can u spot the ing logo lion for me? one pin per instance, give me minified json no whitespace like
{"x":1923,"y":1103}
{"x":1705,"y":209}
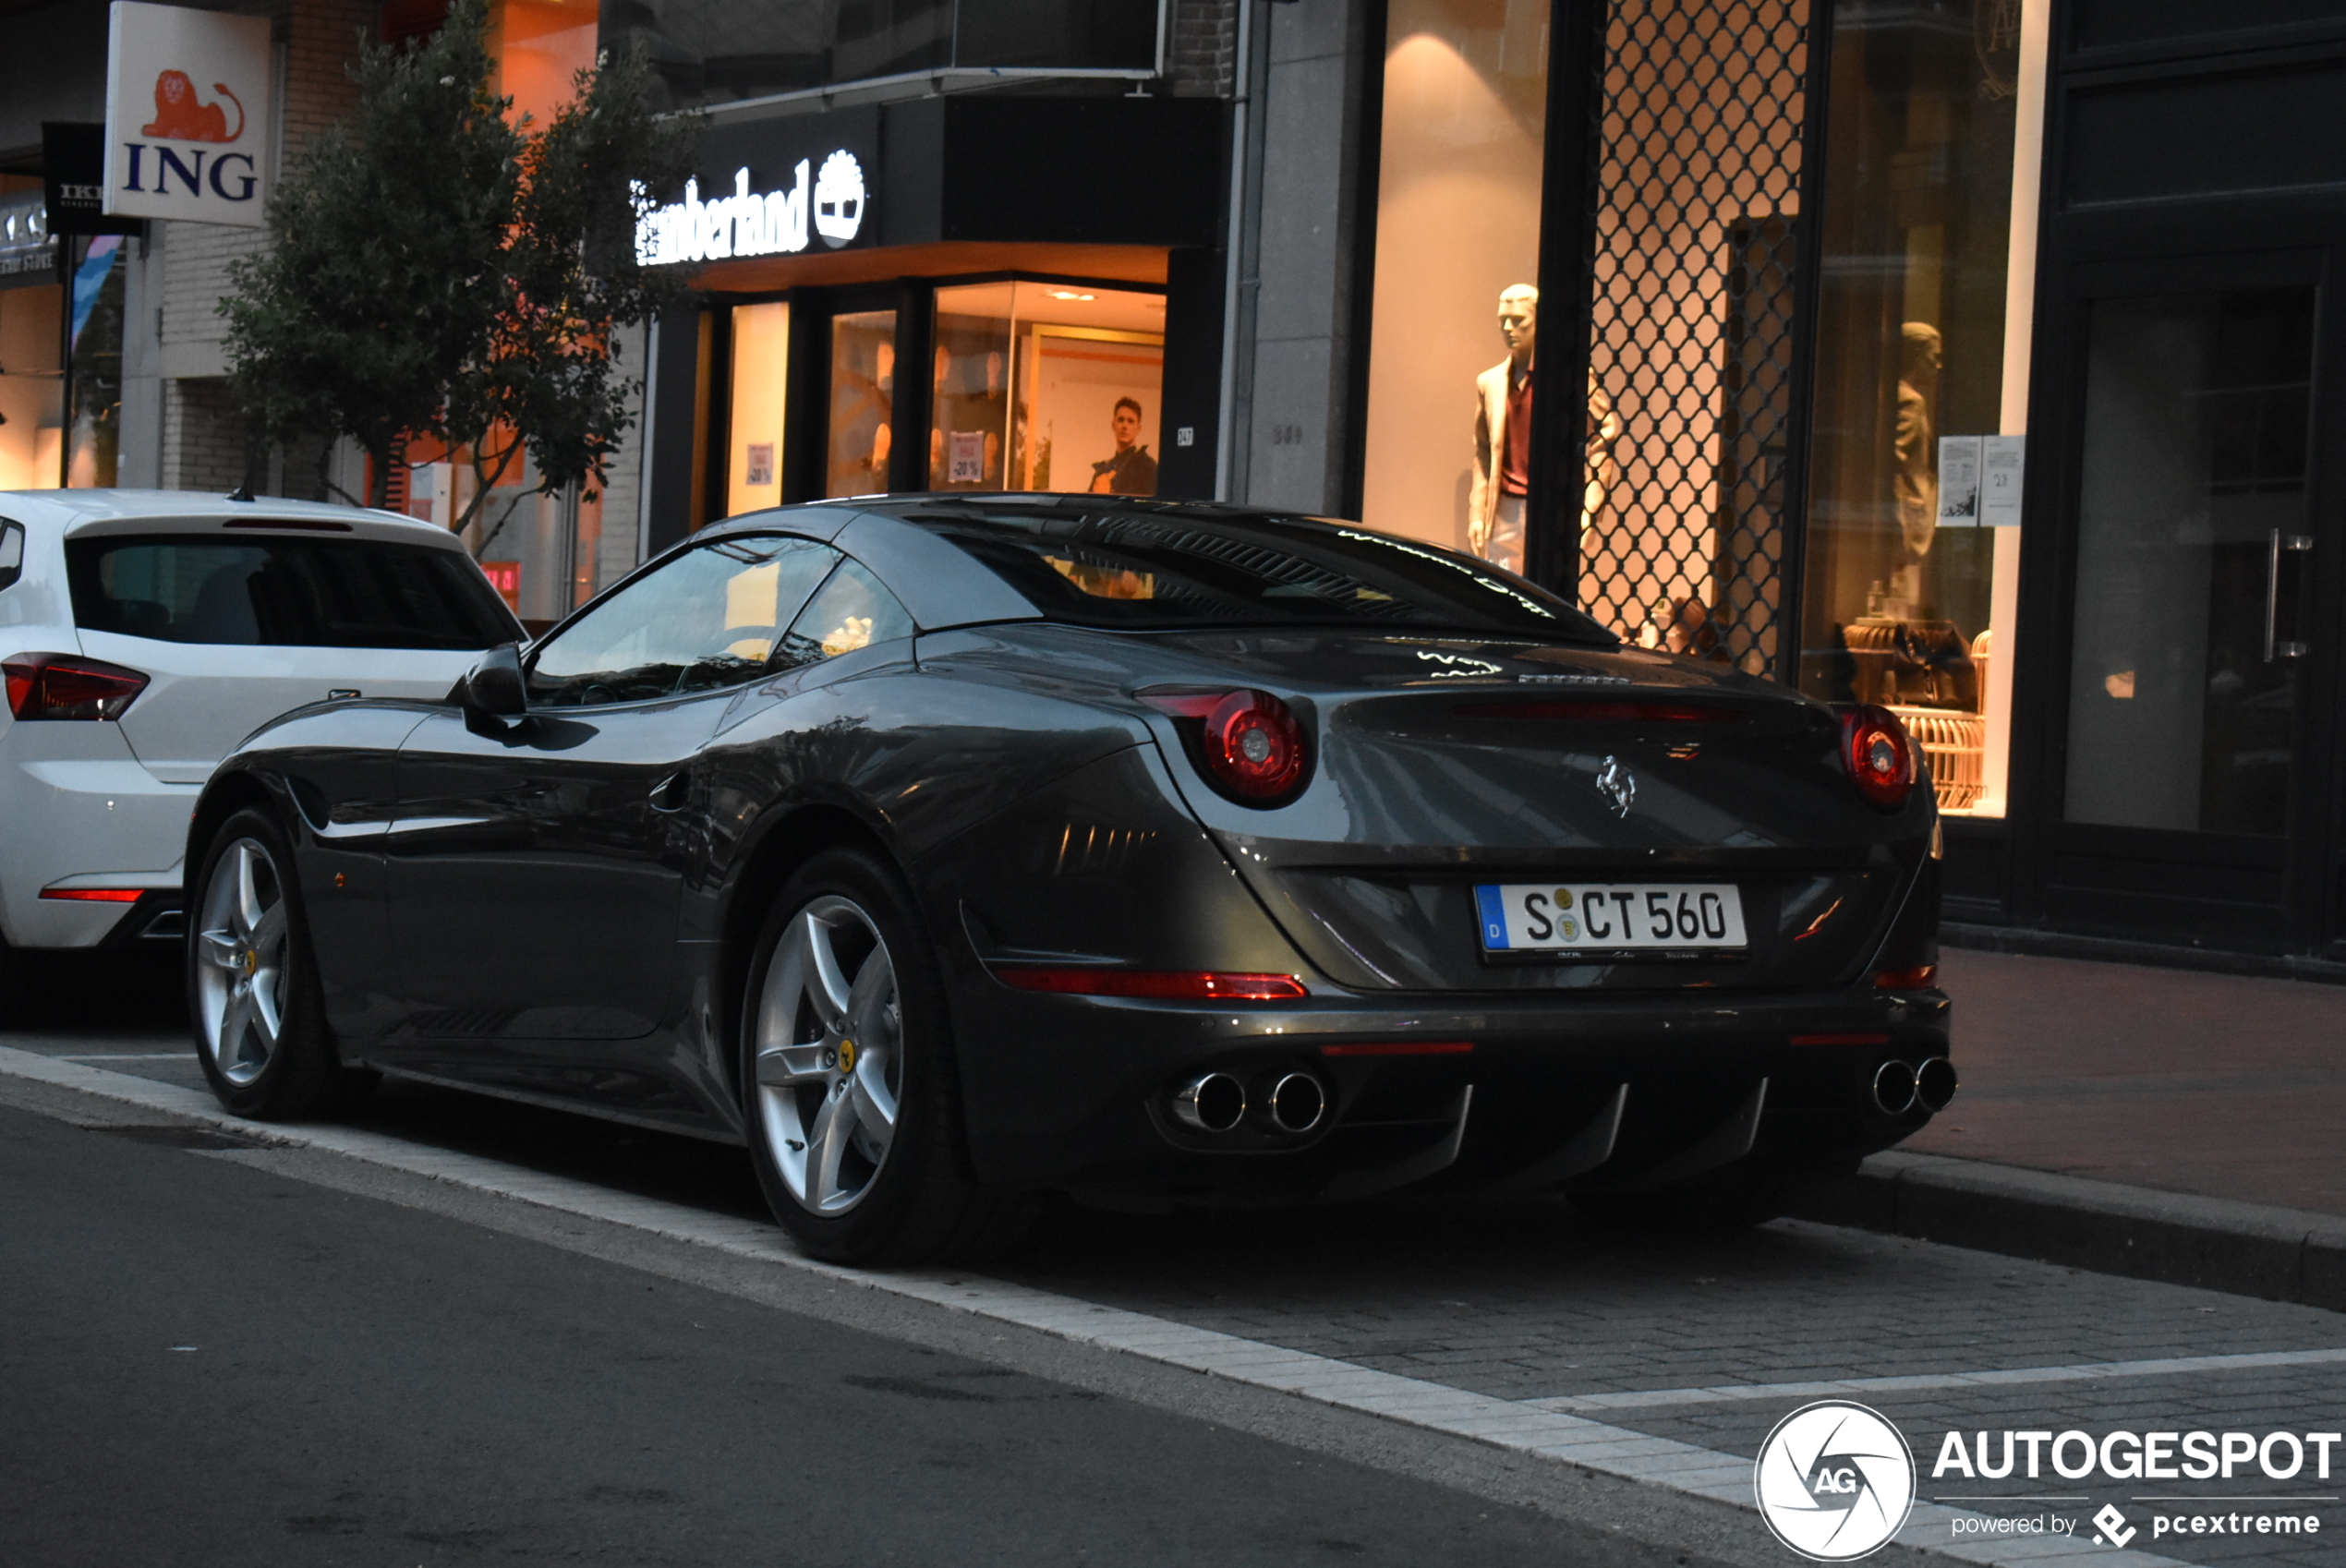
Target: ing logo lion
{"x":180,"y":115}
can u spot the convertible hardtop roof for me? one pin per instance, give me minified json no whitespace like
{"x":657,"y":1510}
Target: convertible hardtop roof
{"x":1143,"y":565}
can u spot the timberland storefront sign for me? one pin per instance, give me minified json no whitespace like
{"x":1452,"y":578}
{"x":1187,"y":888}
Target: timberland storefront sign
{"x":768,"y":187}
{"x":188,"y":111}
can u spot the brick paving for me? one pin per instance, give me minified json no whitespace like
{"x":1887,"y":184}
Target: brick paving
{"x":2229,"y":1086}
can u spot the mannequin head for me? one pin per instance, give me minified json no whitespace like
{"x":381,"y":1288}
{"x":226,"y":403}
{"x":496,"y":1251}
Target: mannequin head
{"x":1519,"y":321}
{"x":1918,"y":351}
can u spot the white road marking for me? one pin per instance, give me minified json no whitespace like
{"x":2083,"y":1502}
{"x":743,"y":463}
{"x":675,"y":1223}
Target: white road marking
{"x":1526,"y":1427}
{"x":1850,"y":1388}
{"x":187,"y":1056}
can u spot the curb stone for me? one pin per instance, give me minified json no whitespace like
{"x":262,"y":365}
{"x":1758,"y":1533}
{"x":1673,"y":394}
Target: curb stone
{"x":2175,"y":1238}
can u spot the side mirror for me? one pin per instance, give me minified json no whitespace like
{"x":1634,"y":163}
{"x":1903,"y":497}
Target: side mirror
{"x":492,"y":690}
{"x":11,"y":553}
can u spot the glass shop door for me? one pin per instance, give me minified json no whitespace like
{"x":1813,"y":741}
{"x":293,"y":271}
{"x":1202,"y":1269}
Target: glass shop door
{"x":2190,"y":766}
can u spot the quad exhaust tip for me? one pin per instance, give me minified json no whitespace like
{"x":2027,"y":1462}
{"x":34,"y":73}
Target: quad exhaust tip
{"x":1898,"y":1088}
{"x":1298,"y":1101}
{"x":1218,"y":1103}
{"x":1212,"y":1102}
{"x":1894,"y":1088}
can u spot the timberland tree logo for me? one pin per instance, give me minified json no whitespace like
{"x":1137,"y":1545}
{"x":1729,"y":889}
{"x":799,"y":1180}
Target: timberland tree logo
{"x":1834,"y":1481}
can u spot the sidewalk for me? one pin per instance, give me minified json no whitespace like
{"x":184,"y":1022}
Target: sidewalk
{"x":2225,"y":1086}
{"x":2163,"y":1124}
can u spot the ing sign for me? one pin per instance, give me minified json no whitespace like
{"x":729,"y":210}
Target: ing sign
{"x":190,"y":100}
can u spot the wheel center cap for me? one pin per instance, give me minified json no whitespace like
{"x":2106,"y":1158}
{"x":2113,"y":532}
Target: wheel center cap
{"x":251,"y":961}
{"x":846,"y":1056}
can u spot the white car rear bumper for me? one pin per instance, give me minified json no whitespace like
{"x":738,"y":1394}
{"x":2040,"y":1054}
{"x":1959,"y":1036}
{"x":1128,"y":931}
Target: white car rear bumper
{"x":83,"y":813}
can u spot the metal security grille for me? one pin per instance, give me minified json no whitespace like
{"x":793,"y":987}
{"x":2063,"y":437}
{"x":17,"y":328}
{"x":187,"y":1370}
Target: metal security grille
{"x":1694,"y":198}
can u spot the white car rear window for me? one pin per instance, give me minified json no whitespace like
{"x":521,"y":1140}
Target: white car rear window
{"x":334,"y":593}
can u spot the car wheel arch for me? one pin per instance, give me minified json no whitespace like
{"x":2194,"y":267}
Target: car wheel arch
{"x":222,"y":798}
{"x":793,"y":835}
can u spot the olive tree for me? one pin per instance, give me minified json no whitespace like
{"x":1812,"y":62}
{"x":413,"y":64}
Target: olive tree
{"x":435,"y":267}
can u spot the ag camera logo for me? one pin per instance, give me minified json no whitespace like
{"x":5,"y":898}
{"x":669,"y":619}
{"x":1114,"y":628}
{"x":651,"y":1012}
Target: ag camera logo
{"x":1834,"y":1481}
{"x":838,"y":199}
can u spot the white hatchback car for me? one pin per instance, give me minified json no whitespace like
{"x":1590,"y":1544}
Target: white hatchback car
{"x":144,"y":632}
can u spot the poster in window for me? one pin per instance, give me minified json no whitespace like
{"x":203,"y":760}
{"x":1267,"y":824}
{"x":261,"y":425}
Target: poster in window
{"x":1958,"y":481}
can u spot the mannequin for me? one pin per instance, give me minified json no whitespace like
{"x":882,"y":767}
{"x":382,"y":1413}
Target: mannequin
{"x":1914,"y":446}
{"x":1502,"y":435}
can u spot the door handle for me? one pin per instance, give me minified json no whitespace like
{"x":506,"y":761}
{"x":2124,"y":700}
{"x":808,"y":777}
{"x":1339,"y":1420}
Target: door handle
{"x":2275,"y":647}
{"x":671,"y":792}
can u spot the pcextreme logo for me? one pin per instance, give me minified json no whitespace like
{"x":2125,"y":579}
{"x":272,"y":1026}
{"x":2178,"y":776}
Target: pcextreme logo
{"x":1834,"y":1481}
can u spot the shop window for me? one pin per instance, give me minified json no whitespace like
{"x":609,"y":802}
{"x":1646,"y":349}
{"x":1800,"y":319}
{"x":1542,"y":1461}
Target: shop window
{"x":1921,"y":378}
{"x":1047,"y":386}
{"x":760,"y":374}
{"x":32,"y":390}
{"x":93,"y":382}
{"x":1457,"y":245}
{"x":1695,"y":212}
{"x":540,"y":46}
{"x":863,"y":403}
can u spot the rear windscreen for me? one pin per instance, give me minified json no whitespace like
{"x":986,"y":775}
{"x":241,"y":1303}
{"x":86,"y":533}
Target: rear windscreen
{"x":1162,"y":572}
{"x":326,"y":593}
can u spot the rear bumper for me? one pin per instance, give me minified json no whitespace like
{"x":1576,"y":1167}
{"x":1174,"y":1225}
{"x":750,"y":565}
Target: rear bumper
{"x":1605,"y":1090}
{"x":89,"y":820}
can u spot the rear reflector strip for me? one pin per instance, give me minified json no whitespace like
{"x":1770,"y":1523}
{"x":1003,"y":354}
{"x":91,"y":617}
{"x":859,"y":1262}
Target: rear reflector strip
{"x":1604,"y":712}
{"x":1402,"y":1048}
{"x":1198,"y":986}
{"x":95,"y":895}
{"x":1840,"y":1039}
{"x":1913,"y":979}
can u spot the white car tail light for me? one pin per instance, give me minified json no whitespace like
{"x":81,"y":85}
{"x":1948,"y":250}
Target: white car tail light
{"x":63,"y":686}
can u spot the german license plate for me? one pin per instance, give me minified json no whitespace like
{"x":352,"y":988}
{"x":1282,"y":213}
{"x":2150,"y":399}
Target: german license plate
{"x":1547,"y":917}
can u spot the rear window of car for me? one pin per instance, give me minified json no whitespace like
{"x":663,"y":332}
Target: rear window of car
{"x":1149,"y":572}
{"x":329,"y":593}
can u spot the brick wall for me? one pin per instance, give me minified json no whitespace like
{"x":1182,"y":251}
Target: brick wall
{"x":204,"y":442}
{"x":1203,"y":60}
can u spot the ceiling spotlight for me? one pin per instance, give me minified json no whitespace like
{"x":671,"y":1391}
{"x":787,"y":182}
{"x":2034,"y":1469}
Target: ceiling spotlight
{"x":1070,"y":294}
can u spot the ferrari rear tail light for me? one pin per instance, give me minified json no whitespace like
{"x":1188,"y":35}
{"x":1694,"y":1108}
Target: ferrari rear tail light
{"x":1195,"y":985}
{"x":1920,"y":977}
{"x":60,"y":686}
{"x":1248,"y":743}
{"x":1879,"y":754}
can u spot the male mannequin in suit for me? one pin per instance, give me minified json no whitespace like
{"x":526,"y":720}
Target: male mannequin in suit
{"x":1503,"y":436}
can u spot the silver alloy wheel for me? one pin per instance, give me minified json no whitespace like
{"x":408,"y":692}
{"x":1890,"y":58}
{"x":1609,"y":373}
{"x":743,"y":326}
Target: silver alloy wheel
{"x":829,"y":1054}
{"x":240,"y":962}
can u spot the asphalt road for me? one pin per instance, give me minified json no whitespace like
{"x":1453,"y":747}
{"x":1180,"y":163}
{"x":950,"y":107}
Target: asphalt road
{"x":206,"y":1363}
{"x":464,"y":1331}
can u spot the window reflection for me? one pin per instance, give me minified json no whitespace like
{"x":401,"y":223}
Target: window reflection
{"x":710,"y":618}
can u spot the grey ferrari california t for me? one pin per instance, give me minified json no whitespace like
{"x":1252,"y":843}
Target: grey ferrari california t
{"x":951,"y":850}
